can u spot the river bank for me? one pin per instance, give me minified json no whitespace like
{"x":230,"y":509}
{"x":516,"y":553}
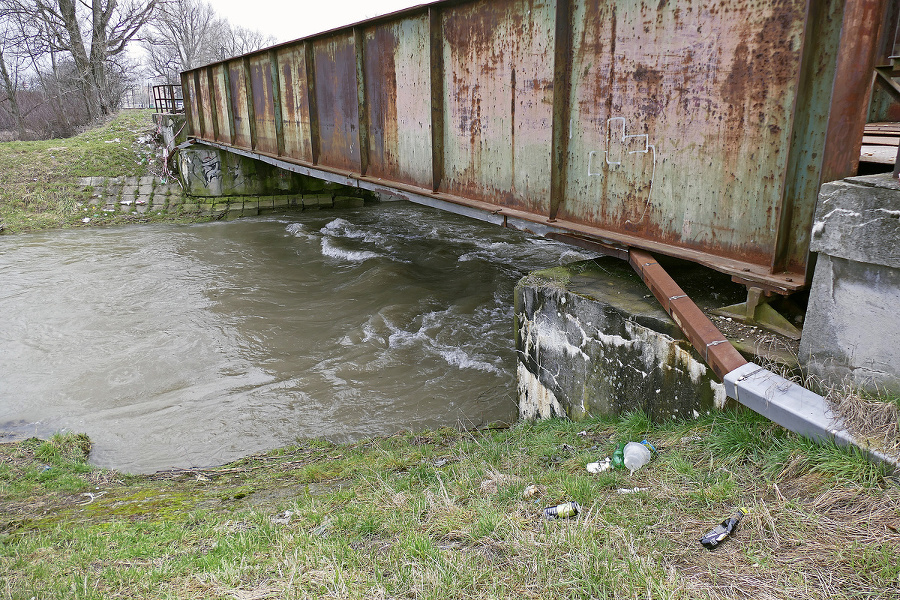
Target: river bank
{"x":428,"y":514}
{"x":41,"y":182}
{"x":443,"y":514}
{"x":115,"y":174}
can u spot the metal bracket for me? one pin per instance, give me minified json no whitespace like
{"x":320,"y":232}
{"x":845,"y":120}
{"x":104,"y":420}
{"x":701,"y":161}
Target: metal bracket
{"x":756,"y":311}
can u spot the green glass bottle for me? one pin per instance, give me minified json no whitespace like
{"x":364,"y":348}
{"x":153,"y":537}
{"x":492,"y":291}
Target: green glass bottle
{"x":618,"y":457}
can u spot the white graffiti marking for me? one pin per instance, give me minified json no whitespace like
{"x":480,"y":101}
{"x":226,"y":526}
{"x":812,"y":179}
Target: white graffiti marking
{"x":616,"y":147}
{"x":211,"y":167}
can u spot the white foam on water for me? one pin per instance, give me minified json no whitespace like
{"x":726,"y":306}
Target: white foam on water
{"x":458,"y":357}
{"x":426,"y":339}
{"x":336,"y":225}
{"x":299,"y":231}
{"x":342,"y":228}
{"x":332,"y":251}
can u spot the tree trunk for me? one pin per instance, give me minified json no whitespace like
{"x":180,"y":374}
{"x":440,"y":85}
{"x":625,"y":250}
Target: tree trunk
{"x":99,"y":22}
{"x":80,"y":56}
{"x":11,"y":93}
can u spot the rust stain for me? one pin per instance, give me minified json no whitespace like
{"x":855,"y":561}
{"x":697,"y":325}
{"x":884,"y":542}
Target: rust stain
{"x":295,"y":103}
{"x":238,"y":104}
{"x":381,"y":94}
{"x":263,"y":104}
{"x":336,"y":97}
{"x":512,"y":116}
{"x":221,"y":99}
{"x":500,"y":102}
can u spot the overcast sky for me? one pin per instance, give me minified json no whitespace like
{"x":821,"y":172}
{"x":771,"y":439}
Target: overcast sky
{"x":291,"y":19}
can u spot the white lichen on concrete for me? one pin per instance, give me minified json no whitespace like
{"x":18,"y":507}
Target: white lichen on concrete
{"x":543,"y":332}
{"x":818,"y":228}
{"x":580,"y":356}
{"x":720,"y":396}
{"x":841,"y":211}
{"x":535,"y":400}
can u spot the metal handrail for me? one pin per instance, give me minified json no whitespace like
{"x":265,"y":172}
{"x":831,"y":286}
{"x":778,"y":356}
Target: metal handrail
{"x":168,"y":98}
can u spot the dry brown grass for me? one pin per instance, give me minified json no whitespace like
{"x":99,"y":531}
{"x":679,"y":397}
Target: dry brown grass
{"x":870,"y":419}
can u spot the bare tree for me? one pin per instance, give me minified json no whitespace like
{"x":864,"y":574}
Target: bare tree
{"x":9,"y":82}
{"x":95,"y":33}
{"x":239,"y":40}
{"x":182,"y":36}
{"x":188,"y":33}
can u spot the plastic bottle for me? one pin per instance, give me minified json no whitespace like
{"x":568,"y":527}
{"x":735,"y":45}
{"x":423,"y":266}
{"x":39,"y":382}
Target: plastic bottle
{"x":723,"y":530}
{"x":635,"y":456}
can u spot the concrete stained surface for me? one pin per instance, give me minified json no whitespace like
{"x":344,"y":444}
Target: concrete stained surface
{"x":142,"y":194}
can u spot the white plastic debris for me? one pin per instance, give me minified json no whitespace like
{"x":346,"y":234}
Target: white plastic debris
{"x":599,"y":467}
{"x":632,"y":490}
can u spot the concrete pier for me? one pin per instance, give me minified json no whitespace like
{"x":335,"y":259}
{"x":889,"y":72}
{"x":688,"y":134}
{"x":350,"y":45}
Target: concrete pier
{"x":591,"y":339}
{"x":851,"y":328}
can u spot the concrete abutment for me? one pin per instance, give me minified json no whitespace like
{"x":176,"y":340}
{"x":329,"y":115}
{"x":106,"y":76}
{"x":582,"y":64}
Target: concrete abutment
{"x":591,"y":340}
{"x":852,"y":330}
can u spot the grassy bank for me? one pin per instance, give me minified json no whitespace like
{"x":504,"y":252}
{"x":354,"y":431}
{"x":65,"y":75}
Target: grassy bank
{"x":442,"y":515}
{"x":436,"y":514}
{"x":39,"y":181}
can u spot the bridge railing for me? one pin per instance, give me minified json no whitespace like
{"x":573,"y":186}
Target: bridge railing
{"x":168,"y":98}
{"x":701,"y":130}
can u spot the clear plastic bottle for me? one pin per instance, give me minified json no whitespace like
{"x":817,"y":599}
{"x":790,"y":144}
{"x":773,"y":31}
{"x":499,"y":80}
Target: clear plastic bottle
{"x":635,"y":456}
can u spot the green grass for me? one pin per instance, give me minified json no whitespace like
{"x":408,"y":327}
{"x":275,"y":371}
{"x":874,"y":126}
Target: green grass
{"x":440,"y":514}
{"x":39,"y":181}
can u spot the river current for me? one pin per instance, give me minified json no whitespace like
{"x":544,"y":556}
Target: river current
{"x":192,"y":345}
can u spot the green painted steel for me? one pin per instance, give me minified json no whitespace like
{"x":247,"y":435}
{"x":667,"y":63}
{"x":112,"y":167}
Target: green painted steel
{"x":696,"y":128}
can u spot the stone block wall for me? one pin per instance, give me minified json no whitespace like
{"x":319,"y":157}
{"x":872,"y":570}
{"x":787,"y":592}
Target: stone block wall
{"x":851,"y":332}
{"x":140,"y":195}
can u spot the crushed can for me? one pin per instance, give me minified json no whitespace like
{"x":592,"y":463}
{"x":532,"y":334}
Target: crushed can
{"x":718,"y":535}
{"x":562,"y":511}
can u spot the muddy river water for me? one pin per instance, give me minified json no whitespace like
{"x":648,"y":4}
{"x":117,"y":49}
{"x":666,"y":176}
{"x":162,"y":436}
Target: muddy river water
{"x":193,"y":345}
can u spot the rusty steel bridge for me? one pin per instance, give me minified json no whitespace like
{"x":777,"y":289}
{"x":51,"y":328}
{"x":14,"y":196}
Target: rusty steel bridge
{"x":695,"y":129}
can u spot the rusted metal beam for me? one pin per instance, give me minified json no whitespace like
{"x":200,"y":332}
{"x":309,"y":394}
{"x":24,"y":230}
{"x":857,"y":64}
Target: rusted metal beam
{"x":562,"y":89}
{"x":634,"y":134}
{"x":436,"y":61}
{"x":251,"y":109}
{"x":199,"y":97}
{"x":890,"y":35}
{"x":276,"y":99}
{"x":186,"y":94}
{"x":852,"y":87}
{"x":213,"y":104}
{"x":706,"y":338}
{"x":314,"y":137}
{"x":743,"y":272}
{"x":229,"y":102}
{"x":359,"y":44}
